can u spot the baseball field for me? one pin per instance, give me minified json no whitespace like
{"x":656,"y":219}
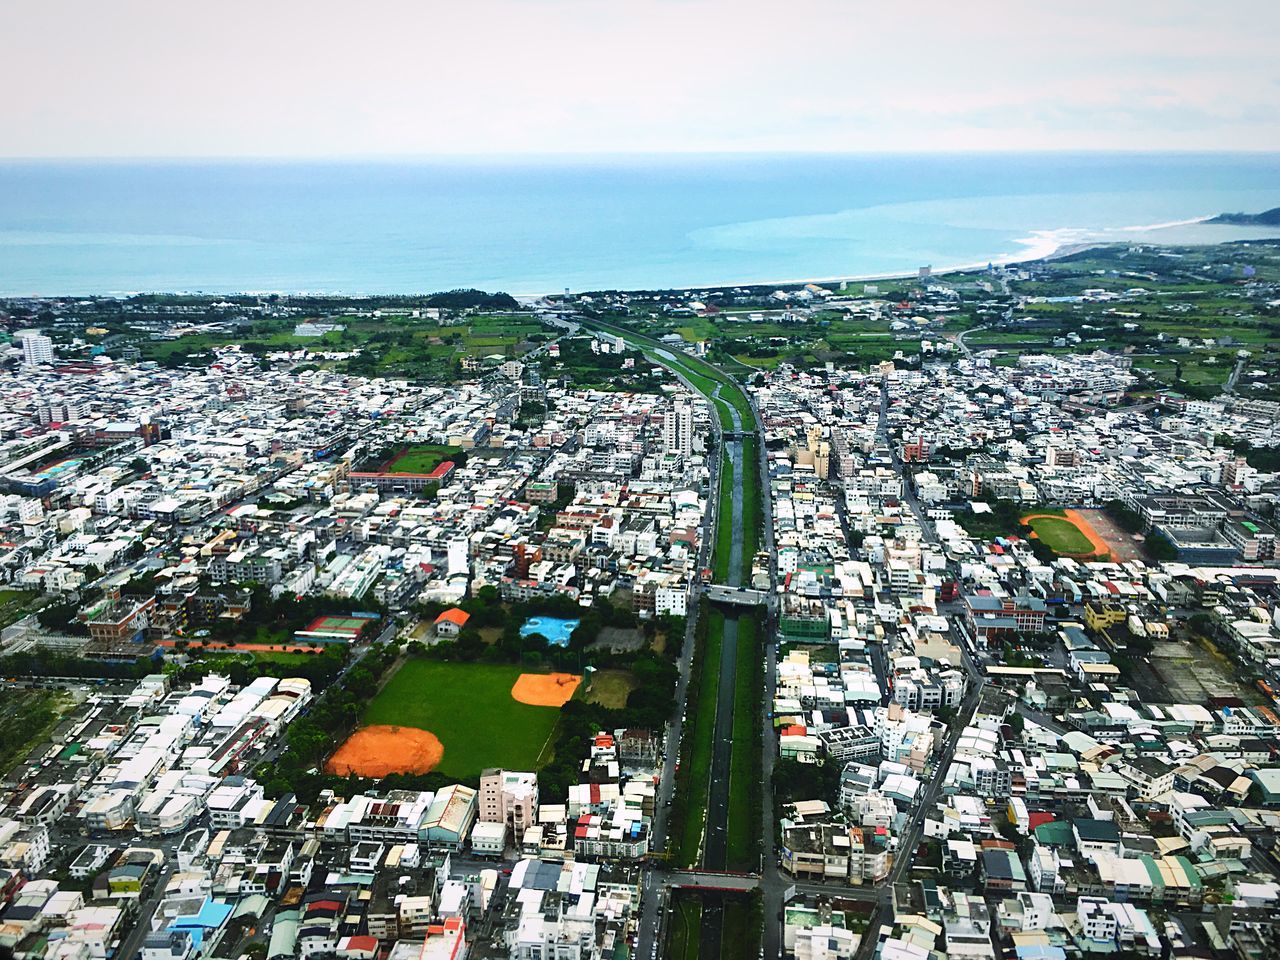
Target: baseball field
{"x":481,"y":714}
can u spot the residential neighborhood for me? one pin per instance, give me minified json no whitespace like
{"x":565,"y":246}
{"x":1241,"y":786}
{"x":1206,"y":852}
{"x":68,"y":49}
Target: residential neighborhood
{"x":599,"y":646}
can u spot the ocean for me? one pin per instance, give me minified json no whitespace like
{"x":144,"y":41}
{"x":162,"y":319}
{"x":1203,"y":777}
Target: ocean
{"x":541,"y":225}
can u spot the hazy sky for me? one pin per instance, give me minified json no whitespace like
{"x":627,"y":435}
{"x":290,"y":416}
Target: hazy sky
{"x":320,"y":78}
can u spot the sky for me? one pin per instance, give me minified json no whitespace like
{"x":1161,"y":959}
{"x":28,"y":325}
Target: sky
{"x":287,"y":78}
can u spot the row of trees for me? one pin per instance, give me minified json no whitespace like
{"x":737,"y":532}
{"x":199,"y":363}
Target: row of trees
{"x":488,"y":612}
{"x":311,"y":738}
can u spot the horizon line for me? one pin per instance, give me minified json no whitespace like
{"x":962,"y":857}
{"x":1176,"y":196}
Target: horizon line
{"x":622,"y":154}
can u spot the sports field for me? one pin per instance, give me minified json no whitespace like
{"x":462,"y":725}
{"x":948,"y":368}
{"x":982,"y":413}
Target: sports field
{"x":1068,"y":534}
{"x":420,"y":458}
{"x":469,"y":707}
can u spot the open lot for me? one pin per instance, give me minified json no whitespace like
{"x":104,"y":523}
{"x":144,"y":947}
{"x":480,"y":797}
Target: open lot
{"x":1122,"y":545}
{"x":26,"y":717}
{"x":469,"y":708}
{"x":16,"y":604}
{"x":610,"y":688}
{"x":1190,"y":672}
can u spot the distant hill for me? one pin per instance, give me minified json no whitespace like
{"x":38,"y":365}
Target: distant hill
{"x":1268,"y":218}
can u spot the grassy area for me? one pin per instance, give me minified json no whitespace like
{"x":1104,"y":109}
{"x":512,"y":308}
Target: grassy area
{"x":752,"y":508}
{"x":263,"y":635}
{"x":743,"y":927}
{"x":283,"y":656}
{"x":684,"y":928}
{"x":16,"y":604}
{"x":745,"y":775}
{"x":469,"y":707}
{"x":420,"y":458}
{"x":698,"y":743}
{"x":1060,"y":535}
{"x":26,"y":718}
{"x":724,"y":523}
{"x":610,"y":688}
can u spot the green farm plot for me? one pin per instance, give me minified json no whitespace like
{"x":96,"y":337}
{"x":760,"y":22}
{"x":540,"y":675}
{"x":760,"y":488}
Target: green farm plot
{"x":468,"y":706}
{"x":1060,"y":535}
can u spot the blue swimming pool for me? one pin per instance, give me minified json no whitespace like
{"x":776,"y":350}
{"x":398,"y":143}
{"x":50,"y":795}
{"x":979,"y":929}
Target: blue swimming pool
{"x":555,"y":629}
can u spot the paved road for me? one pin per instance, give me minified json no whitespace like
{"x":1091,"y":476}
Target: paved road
{"x":964,"y":346}
{"x":132,"y":943}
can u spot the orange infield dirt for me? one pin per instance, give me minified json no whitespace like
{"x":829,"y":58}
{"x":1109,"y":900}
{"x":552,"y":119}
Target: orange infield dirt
{"x":1100,"y":547}
{"x":377,"y":751}
{"x":545,"y":689}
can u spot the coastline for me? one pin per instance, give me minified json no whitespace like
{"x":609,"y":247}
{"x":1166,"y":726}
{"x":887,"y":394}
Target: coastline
{"x":1039,"y":246}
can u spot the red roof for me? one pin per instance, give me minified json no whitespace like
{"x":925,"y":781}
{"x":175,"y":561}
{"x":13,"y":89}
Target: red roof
{"x":455,"y":616}
{"x":1039,"y":818}
{"x":442,"y":471}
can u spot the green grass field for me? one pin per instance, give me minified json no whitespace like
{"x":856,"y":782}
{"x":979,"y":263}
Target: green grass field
{"x":16,"y":604}
{"x":683,"y":931}
{"x":1060,"y":535}
{"x":469,"y":707}
{"x":421,"y":458}
{"x":610,"y":688}
{"x":744,"y":764}
{"x":699,"y":731}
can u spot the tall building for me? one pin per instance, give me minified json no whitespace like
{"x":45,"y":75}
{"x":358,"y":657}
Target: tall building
{"x":36,"y":348}
{"x":677,"y":430}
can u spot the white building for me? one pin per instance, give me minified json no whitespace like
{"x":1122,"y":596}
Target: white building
{"x":677,"y":430}
{"x":36,"y":348}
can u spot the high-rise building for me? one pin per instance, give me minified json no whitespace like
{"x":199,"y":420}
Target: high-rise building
{"x":36,"y":348}
{"x":677,"y":430}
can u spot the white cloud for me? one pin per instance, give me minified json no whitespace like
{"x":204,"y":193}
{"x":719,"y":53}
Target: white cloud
{"x":139,"y":77}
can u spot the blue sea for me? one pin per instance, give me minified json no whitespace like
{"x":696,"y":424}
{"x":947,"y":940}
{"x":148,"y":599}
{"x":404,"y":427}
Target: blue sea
{"x":540,"y":225}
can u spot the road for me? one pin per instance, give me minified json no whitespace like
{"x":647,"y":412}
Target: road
{"x":964,"y":347}
{"x":909,"y":838}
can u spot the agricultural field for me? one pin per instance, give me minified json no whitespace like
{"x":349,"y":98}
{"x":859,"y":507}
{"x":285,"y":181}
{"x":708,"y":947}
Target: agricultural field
{"x":1184,"y":315}
{"x":389,"y":346}
{"x":747,"y":340}
{"x":469,"y":708}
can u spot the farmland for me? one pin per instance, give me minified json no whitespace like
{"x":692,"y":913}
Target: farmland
{"x":405,"y":346}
